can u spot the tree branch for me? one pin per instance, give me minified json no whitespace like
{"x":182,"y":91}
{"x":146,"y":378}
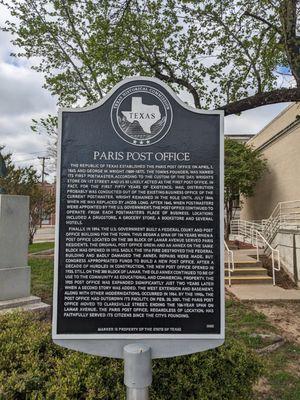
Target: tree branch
{"x":172,"y":78}
{"x":55,"y":39}
{"x":232,"y":34}
{"x":262,"y":99}
{"x":157,"y":65}
{"x":181,"y":82}
{"x":78,"y":39}
{"x":125,"y":7}
{"x":261,"y":19}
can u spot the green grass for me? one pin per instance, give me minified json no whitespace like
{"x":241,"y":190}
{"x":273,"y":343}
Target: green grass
{"x":42,"y":278}
{"x":241,"y":319}
{"x":281,"y":366}
{"x":241,"y":322}
{"x":286,"y":386}
{"x":283,"y":372}
{"x":36,"y":247}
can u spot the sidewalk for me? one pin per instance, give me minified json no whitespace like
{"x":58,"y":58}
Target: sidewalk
{"x":44,"y":234}
{"x":264,"y":293}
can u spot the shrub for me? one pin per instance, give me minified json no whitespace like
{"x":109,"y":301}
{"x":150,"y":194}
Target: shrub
{"x":225,"y":373}
{"x":33,"y":368}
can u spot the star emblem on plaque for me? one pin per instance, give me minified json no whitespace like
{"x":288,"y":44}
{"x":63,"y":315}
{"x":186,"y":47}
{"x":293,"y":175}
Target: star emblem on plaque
{"x":141,"y":115}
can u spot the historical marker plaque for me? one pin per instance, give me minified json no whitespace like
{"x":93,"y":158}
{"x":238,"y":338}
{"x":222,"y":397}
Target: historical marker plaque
{"x":139,"y":250}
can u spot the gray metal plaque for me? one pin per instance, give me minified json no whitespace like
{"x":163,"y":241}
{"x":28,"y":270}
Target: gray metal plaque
{"x":139,"y":230}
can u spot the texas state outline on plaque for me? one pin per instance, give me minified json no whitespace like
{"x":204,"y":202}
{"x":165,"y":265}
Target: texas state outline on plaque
{"x":145,"y":114}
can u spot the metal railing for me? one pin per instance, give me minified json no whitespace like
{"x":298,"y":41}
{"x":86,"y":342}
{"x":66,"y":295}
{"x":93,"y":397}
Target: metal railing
{"x":243,"y":229}
{"x":230,"y":262}
{"x":253,"y":233}
{"x":286,"y":215}
{"x":261,"y":242}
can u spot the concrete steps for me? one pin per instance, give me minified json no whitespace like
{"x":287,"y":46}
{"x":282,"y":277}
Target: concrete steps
{"x":249,"y":280}
{"x":246,"y":264}
{"x":247,"y":271}
{"x":30,"y":303}
{"x":36,"y":307}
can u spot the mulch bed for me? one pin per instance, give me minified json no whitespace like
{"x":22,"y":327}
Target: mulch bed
{"x":237,"y":245}
{"x":282,"y":278}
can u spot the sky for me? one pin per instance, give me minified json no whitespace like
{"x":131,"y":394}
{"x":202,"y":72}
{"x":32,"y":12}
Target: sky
{"x":22,"y":99}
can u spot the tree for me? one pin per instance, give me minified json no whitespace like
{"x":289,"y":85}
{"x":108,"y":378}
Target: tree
{"x":243,"y":168}
{"x":227,"y":54}
{"x":25,"y":181}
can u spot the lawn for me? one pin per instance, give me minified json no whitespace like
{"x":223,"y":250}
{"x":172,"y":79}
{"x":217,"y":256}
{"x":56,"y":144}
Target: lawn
{"x":37,"y":247}
{"x":279,"y":378}
{"x":42,"y":278}
{"x":283,"y":373}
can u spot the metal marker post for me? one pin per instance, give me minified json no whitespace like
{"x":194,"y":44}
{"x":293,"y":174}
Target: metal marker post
{"x":137,"y":371}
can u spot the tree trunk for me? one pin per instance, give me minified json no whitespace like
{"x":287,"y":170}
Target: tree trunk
{"x":288,"y":16}
{"x":228,"y":217}
{"x":32,"y":231}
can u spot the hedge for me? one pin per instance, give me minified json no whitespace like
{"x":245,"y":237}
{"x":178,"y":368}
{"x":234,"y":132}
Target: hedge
{"x":33,"y":368}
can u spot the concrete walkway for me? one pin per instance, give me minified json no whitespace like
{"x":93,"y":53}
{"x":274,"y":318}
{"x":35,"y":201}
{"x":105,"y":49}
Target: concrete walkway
{"x":44,"y":234}
{"x":264,"y":293}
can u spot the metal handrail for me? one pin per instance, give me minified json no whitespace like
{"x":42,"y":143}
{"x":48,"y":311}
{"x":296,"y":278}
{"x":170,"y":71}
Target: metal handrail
{"x":273,"y":251}
{"x":243,"y":228}
{"x":250,"y":232}
{"x":285,"y":214}
{"x":230,"y":261}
